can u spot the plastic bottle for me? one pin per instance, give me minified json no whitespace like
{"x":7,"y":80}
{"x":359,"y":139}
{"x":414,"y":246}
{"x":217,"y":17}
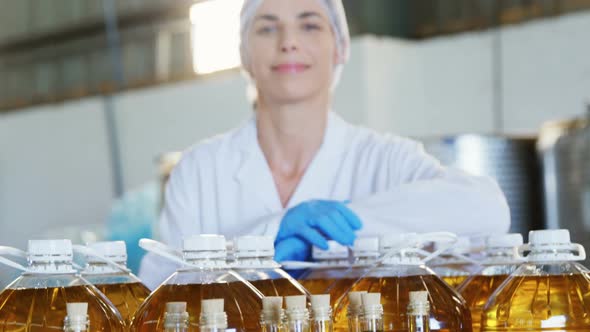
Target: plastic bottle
{"x":106,"y":269}
{"x":321,"y":313}
{"x":419,"y":312}
{"x":498,"y":263}
{"x":372,"y":316}
{"x":254,"y":262}
{"x":213,"y":318}
{"x":454,"y":265}
{"x":204,"y":274}
{"x":176,"y":318}
{"x":272,"y":316}
{"x":331,"y":265}
{"x":77,"y":318}
{"x":402,"y":270}
{"x":296,"y":314}
{"x":550,"y":292}
{"x":37,"y":300}
{"x":353,"y":312}
{"x":365,"y":253}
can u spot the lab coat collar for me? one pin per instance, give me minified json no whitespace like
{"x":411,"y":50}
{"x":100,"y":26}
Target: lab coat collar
{"x":254,"y":173}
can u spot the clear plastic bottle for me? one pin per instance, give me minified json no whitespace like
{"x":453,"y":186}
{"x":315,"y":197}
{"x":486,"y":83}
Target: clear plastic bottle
{"x":176,"y":318}
{"x":402,"y":270}
{"x":498,"y":263}
{"x":77,"y":318}
{"x":37,"y":300}
{"x":106,"y":269}
{"x":272,"y":316}
{"x":254,"y":262}
{"x":331,"y":265}
{"x":213,"y":318}
{"x":321,"y":313}
{"x":353,"y":312}
{"x":550,"y":292}
{"x":419,"y":312}
{"x":365,"y":252}
{"x":372,"y":314}
{"x":204,"y":275}
{"x":454,"y":265}
{"x":296,"y":314}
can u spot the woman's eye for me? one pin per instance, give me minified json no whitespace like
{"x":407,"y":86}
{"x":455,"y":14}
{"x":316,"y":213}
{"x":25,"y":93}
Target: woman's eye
{"x":265,"y":30}
{"x":311,"y":27}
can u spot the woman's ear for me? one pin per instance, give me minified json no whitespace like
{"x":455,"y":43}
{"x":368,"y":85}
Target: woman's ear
{"x":340,"y":54}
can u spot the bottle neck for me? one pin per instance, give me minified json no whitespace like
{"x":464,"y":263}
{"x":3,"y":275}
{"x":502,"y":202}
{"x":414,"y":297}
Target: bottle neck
{"x":297,"y":320}
{"x":76,"y":324}
{"x":103,"y":268}
{"x":255,"y":262}
{"x":418,"y":323}
{"x":354,"y":314}
{"x":500,"y":256}
{"x":51,"y":267}
{"x":366,"y":260}
{"x":372,"y":319}
{"x":213,"y":321}
{"x":322,"y":320}
{"x":176,"y":321}
{"x":272,"y":316}
{"x":333,"y":262}
{"x":550,"y":255}
{"x":207,"y":262}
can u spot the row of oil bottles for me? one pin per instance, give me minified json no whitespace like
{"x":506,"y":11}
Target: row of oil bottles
{"x":396,"y":282}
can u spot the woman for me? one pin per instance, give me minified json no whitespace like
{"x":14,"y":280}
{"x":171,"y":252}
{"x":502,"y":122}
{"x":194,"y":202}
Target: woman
{"x":297,"y":171}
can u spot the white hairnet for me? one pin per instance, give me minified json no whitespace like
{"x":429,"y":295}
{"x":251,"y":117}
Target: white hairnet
{"x":336,"y":14}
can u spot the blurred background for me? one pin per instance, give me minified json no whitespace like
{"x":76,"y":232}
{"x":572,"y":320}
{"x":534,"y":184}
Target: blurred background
{"x":97,"y":96}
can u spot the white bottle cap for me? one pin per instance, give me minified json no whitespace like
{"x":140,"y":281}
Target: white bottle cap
{"x":354,"y":299}
{"x":366,"y":247}
{"x":254,"y":246}
{"x":77,"y":310}
{"x":549,"y":237}
{"x":504,"y":240}
{"x":272,"y":307}
{"x":552,"y":246}
{"x":204,"y":246}
{"x":295,"y":302}
{"x":419,"y":297}
{"x":114,"y":250}
{"x":335,"y":251}
{"x":320,"y":307}
{"x":320,"y":301}
{"x":419,"y":304}
{"x":212,"y":306}
{"x":212,"y":314}
{"x":176,"y":307}
{"x":272,"y":303}
{"x":370,"y":299}
{"x":46,"y":251}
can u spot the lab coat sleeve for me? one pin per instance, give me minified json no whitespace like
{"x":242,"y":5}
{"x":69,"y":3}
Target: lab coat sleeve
{"x":178,"y":218}
{"x":422,"y":196}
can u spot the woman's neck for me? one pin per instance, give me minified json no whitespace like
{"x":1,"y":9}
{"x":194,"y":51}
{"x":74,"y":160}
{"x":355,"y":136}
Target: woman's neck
{"x":290,"y":137}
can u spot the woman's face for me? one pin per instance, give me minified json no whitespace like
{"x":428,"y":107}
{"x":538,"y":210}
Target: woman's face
{"x":291,"y":50}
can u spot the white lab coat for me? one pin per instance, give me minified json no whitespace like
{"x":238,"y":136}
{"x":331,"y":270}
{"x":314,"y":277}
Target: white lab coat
{"x":224,"y":186}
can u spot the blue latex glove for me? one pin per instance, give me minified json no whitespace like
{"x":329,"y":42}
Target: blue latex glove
{"x":314,"y":222}
{"x":292,"y":249}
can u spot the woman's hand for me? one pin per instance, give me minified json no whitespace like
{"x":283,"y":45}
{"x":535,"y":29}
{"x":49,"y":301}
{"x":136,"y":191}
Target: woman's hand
{"x":313,"y":223}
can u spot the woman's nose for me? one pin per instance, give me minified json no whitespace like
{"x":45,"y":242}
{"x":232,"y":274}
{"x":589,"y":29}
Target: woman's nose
{"x":288,"y":42}
{"x":286,"y":48}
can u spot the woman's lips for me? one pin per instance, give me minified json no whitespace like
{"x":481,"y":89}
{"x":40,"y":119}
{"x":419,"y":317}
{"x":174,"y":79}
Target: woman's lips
{"x":290,"y":68}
